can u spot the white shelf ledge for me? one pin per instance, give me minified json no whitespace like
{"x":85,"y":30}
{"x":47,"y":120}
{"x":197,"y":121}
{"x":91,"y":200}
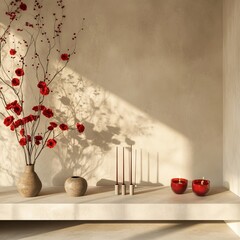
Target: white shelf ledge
{"x":100,"y":203}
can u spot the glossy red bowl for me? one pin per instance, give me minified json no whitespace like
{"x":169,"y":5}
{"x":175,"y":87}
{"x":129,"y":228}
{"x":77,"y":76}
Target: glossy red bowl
{"x":200,"y":186}
{"x":179,"y":185}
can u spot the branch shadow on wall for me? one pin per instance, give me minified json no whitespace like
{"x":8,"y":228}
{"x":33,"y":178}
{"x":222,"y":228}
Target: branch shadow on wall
{"x":78,"y":100}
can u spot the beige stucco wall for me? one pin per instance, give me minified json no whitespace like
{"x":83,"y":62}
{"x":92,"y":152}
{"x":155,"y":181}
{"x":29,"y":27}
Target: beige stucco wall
{"x":151,"y":72}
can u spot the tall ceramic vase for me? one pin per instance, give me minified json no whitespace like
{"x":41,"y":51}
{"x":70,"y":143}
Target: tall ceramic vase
{"x":29,"y":184}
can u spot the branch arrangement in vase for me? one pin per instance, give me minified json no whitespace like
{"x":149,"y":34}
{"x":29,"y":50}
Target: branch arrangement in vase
{"x":31,"y":57}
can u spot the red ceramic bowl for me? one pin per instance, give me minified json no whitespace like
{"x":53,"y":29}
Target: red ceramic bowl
{"x":200,"y":186}
{"x":179,"y":185}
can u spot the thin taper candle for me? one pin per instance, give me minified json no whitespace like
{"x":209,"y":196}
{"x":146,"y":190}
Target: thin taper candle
{"x":123,"y":168}
{"x":141,"y":166}
{"x":157,"y":167}
{"x":130,"y":167}
{"x":135,"y":166}
{"x":148,"y":177}
{"x":116,"y":165}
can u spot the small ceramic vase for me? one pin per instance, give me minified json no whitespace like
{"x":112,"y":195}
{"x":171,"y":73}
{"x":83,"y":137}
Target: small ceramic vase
{"x":75,"y":186}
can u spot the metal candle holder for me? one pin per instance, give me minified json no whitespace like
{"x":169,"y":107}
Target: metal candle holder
{"x":117,"y":189}
{"x":131,"y":189}
{"x":123,"y":189}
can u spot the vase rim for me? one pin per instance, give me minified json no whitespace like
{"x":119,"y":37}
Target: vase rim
{"x":75,"y":176}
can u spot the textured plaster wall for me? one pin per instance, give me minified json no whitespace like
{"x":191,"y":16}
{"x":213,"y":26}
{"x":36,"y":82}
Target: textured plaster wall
{"x":148,"y":73}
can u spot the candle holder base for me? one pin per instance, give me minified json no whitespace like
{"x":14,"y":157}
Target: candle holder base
{"x":131,"y":189}
{"x":123,"y":189}
{"x":117,"y":188}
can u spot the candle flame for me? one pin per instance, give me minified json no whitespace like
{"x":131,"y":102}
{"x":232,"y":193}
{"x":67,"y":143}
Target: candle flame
{"x":202,"y":182}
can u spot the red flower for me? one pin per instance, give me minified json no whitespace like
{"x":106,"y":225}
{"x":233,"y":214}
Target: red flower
{"x":17,"y":109}
{"x":12,"y":15}
{"x":38,"y":138}
{"x":35,"y":117}
{"x":37,"y":142}
{"x":63,"y":127}
{"x":15,"y":82}
{"x":12,"y":51}
{"x":25,"y":120}
{"x":12,"y":127}
{"x":8,"y":121}
{"x":38,"y":108}
{"x":11,"y":105}
{"x":50,"y":128}
{"x":19,"y":72}
{"x":35,"y":108}
{"x":53,"y":124}
{"x":47,"y":112}
{"x":65,"y":57}
{"x":23,"y":141}
{"x":51,"y":143}
{"x":44,"y":91}
{"x":80,"y":127}
{"x":30,"y":118}
{"x":22,"y":132}
{"x":42,"y":84}
{"x":23,"y":6}
{"x":29,"y":138}
{"x":18,"y":123}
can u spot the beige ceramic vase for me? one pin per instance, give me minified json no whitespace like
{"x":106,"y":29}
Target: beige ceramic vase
{"x":29,"y":184}
{"x":75,"y":186}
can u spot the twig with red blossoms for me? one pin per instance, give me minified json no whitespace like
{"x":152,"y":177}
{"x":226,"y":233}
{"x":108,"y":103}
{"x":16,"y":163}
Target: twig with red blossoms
{"x":27,"y":52}
{"x":14,"y":11}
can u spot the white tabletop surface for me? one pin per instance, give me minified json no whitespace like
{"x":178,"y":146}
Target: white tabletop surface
{"x":100,"y":203}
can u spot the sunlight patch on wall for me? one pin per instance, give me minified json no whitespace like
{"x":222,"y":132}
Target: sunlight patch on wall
{"x":110,"y":122}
